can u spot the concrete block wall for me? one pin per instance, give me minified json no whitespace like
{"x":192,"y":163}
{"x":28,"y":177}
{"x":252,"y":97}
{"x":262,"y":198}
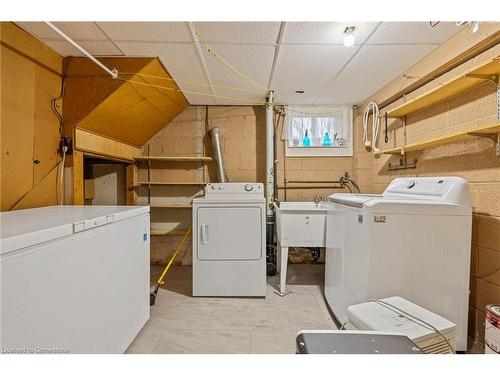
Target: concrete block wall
{"x":475,"y":161}
{"x":243,"y":145}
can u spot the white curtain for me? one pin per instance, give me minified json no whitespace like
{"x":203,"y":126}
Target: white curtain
{"x":317,"y":120}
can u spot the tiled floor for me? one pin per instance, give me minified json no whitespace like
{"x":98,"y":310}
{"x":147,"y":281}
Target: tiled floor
{"x":183,"y":324}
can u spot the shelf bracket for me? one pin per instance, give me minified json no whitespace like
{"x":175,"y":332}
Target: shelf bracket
{"x":403,"y":165}
{"x":494,"y":137}
{"x":487,"y":77}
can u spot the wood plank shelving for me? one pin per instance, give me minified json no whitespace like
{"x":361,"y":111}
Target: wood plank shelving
{"x":174,"y":158}
{"x":473,"y":77}
{"x":490,"y":131}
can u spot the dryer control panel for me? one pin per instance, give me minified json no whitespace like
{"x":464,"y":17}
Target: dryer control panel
{"x":234,"y":188}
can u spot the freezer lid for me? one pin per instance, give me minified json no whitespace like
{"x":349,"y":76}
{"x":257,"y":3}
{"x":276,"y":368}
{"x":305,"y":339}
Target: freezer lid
{"x":22,"y":228}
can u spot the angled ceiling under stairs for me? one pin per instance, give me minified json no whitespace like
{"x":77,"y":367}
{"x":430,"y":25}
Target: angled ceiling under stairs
{"x":130,"y":109}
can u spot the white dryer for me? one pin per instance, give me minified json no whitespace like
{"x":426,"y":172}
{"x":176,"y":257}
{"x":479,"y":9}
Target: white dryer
{"x":414,"y":241}
{"x":229,"y":249}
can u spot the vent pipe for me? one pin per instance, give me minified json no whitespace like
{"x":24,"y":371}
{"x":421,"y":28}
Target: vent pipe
{"x":216,"y":135}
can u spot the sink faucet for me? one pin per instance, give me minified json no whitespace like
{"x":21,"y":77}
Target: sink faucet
{"x":318,"y":199}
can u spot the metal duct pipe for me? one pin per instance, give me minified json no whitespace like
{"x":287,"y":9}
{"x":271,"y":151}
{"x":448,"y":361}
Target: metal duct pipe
{"x":216,"y":135}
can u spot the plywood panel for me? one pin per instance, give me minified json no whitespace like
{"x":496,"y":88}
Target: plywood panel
{"x":135,"y":112}
{"x":30,"y":77}
{"x":78,"y":180}
{"x":88,"y":85}
{"x":17,"y":108}
{"x":131,"y":173}
{"x":46,"y":125}
{"x":99,"y":145}
{"x":42,"y":194}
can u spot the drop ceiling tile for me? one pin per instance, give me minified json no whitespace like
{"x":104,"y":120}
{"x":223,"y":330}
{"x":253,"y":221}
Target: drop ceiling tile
{"x":254,"y":61}
{"x":180,"y":60}
{"x":285,"y":98}
{"x":148,"y":31}
{"x":413,"y":33}
{"x":232,"y":97}
{"x":325,"y":32}
{"x":370,"y":70}
{"x":96,"y":48}
{"x":239,"y":32}
{"x":182,"y":63}
{"x":75,"y":30}
{"x":308,"y":67}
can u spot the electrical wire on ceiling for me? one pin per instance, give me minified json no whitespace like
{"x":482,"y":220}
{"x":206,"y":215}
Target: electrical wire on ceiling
{"x":230,"y":66}
{"x":191,"y":82}
{"x":115,"y":74}
{"x":251,"y":101}
{"x":199,"y":83}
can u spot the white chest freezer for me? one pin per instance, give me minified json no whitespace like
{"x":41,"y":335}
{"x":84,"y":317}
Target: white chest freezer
{"x":74,"y":279}
{"x":412,"y":241}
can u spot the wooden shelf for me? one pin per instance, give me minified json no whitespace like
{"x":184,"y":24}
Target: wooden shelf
{"x":166,"y":183}
{"x":174,"y":158}
{"x":473,"y":77}
{"x":486,"y":131}
{"x":174,"y":232}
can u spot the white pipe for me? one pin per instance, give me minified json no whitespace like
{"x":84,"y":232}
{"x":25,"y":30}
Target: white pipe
{"x":113,"y":73}
{"x":269,"y":153}
{"x":60,"y":182}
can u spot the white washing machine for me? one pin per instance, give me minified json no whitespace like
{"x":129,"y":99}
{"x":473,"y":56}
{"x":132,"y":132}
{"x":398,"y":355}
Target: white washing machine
{"x":413,"y":241}
{"x":229,"y":249}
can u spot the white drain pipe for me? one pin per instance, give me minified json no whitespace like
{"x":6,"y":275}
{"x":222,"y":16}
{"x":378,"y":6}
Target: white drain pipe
{"x":269,"y":153}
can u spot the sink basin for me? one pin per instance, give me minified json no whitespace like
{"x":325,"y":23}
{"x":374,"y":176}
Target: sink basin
{"x":301,"y":224}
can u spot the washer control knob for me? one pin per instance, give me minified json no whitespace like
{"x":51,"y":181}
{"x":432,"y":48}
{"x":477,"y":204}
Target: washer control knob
{"x":248,"y":187}
{"x":411,"y":185}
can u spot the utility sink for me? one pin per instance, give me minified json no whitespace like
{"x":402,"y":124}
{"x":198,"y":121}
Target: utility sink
{"x":301,"y":223}
{"x":298,"y":224}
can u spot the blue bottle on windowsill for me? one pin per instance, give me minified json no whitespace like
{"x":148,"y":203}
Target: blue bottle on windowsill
{"x":306,"y":141}
{"x":327,"y":141}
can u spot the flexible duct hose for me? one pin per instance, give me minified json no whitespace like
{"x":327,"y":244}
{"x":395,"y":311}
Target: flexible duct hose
{"x":371,"y":145}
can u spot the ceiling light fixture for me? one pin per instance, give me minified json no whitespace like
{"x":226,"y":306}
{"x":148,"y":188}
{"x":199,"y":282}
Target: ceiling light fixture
{"x":349,"y":36}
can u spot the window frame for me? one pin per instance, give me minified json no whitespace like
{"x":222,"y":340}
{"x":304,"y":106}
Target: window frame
{"x":325,"y":151}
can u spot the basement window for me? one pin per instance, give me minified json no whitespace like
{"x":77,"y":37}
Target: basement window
{"x":318,"y":131}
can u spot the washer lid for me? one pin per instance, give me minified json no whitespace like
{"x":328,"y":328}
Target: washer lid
{"x":353,"y":200}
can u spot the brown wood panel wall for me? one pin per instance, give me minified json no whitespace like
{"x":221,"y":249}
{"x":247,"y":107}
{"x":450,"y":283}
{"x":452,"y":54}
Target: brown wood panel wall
{"x":126,"y":112}
{"x":30,"y":78}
